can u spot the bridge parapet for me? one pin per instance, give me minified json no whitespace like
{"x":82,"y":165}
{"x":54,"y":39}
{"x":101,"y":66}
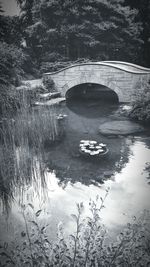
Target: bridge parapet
{"x":123,"y":78}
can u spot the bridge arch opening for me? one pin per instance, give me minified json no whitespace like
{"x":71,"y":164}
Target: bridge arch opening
{"x":91,"y":100}
{"x":92,"y":91}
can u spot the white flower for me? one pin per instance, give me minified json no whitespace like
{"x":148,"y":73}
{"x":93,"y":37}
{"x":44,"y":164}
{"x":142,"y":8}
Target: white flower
{"x":100,"y":150}
{"x":93,"y":142}
{"x":102,"y":145}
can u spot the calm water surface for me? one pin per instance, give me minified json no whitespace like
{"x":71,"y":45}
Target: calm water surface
{"x":72,"y":179}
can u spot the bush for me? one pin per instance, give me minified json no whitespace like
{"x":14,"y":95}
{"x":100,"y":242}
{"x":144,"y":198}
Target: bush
{"x":11,"y":60}
{"x":89,"y":245}
{"x":49,"y":83}
{"x":8,"y":100}
{"x":141,"y":107}
{"x":11,"y":72}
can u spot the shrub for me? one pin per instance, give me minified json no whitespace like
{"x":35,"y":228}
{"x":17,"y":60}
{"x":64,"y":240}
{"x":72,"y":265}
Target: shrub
{"x":11,"y":72}
{"x":11,"y":60}
{"x":8,"y":100}
{"x":49,"y":83}
{"x":90,"y":245}
{"x":141,"y":107}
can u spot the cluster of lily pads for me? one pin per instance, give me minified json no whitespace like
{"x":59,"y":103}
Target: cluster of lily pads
{"x":92,"y":148}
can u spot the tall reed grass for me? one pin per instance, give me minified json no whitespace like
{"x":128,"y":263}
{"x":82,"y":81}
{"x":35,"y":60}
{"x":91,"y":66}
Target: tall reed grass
{"x":22,"y":149}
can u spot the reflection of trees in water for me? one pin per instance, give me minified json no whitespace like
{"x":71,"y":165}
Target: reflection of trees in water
{"x":66,"y":160}
{"x":75,"y":168}
{"x":146,"y":141}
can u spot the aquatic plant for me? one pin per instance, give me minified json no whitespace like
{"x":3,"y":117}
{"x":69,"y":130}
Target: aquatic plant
{"x":92,"y":148}
{"x":89,"y":245}
{"x":23,"y":139}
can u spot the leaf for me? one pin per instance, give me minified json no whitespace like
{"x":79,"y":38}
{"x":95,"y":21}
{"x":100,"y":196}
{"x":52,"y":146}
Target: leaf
{"x":38,"y":213}
{"x":34,"y":223}
{"x":47,"y":241}
{"x":37,"y":242}
{"x":80,"y":226}
{"x":72,"y":237}
{"x":69,"y":258}
{"x":27,"y":262}
{"x":23,"y":234}
{"x":31,"y":206}
{"x":5,"y":245}
{"x":42,"y":229}
{"x":74,"y":217}
{"x":23,"y":206}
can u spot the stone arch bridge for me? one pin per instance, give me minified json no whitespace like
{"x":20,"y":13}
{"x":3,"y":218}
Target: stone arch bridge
{"x":125,"y":79}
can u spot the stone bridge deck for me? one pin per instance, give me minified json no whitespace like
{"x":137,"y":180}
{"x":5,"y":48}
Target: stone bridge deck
{"x":125,"y":79}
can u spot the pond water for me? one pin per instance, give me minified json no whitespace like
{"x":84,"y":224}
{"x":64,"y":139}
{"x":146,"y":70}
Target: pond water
{"x":72,"y":179}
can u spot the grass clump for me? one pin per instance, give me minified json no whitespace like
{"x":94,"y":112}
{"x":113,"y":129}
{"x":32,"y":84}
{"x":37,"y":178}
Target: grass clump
{"x":23,"y":140}
{"x":89,"y":245}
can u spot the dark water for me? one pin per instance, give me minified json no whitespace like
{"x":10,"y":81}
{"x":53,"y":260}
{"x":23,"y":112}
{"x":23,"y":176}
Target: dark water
{"x":82,"y":122}
{"x":72,"y":179}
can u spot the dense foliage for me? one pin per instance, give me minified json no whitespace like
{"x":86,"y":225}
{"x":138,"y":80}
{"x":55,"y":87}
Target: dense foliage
{"x":143,"y":7}
{"x":141,"y":107}
{"x":13,"y":60}
{"x":49,"y":34}
{"x":68,"y":30}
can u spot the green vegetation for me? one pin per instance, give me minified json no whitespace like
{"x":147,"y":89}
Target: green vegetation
{"x":141,"y":107}
{"x":68,"y":30}
{"x":11,"y":61}
{"x":49,"y":84}
{"x":143,"y":8}
{"x":89,"y":245}
{"x":22,"y":143}
{"x":50,"y":35}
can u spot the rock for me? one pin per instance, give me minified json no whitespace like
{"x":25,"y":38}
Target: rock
{"x":51,"y":102}
{"x":120,"y":128}
{"x":48,"y":96}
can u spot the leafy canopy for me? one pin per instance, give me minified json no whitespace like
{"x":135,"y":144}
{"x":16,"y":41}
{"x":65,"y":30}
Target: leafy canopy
{"x":94,"y":29}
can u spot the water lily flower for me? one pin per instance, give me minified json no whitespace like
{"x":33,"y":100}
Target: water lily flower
{"x":92,"y":153}
{"x":100,"y":150}
{"x":81,"y":145}
{"x":102,"y":144}
{"x":87,"y":151}
{"x":93,"y":142}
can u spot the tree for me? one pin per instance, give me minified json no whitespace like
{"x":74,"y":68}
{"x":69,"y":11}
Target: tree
{"x":94,"y":29}
{"x":143,"y":7}
{"x":26,"y":12}
{"x":12,"y":58}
